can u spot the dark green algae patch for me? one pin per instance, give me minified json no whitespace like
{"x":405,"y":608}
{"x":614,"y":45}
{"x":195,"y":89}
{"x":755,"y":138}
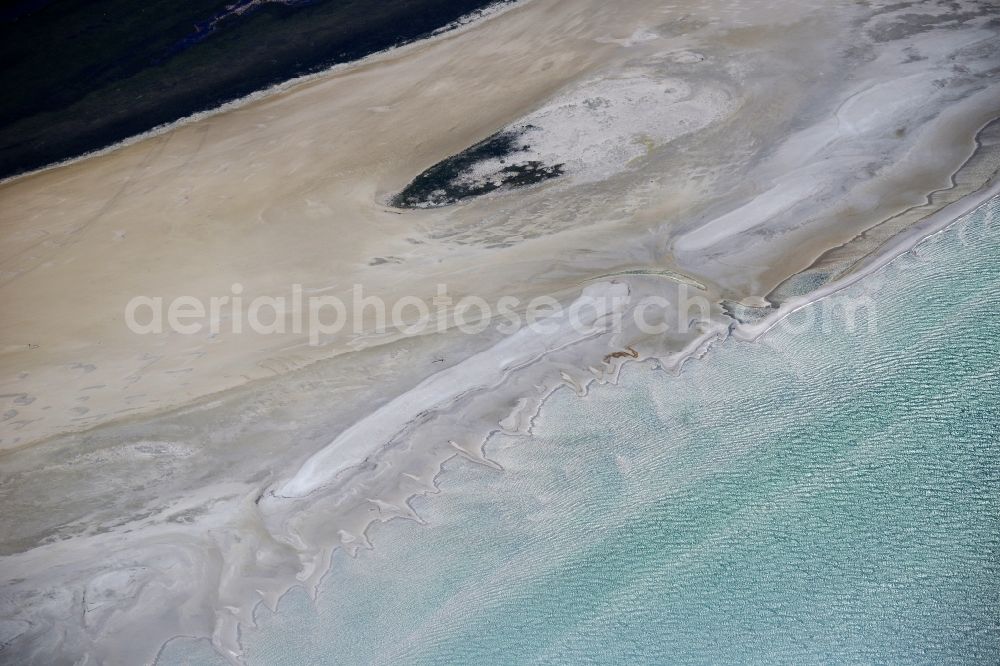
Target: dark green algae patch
{"x":455,"y":179}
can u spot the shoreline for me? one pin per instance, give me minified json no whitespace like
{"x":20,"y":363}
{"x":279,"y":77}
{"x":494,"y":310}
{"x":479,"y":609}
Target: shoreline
{"x":493,"y":10}
{"x":698,"y":349}
{"x":632,"y":445}
{"x":841,"y":260}
{"x":897,"y":246}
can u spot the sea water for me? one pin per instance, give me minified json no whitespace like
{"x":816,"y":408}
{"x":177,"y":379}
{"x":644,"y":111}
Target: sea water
{"x":829,"y":493}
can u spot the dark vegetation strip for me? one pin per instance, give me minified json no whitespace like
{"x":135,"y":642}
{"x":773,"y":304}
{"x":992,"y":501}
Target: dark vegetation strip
{"x":79,"y":75}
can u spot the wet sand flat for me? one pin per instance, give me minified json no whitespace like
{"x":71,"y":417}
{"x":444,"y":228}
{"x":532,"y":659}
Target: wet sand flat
{"x":294,"y":188}
{"x":723,"y":145}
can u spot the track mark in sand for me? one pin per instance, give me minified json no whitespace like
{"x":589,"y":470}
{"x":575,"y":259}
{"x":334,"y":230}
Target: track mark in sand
{"x":159,"y":143}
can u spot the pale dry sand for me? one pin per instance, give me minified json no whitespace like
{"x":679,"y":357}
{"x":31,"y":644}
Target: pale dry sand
{"x":787,"y":130}
{"x":284,"y":190}
{"x":290,"y":189}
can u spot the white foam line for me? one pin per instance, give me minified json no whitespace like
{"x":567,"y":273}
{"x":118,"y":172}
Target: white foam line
{"x":899,"y":245}
{"x":487,"y":369}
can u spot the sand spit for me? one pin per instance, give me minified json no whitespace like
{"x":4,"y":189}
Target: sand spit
{"x":164,"y":485}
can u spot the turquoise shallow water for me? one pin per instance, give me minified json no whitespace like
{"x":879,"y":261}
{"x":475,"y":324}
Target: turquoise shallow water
{"x":823,"y":495}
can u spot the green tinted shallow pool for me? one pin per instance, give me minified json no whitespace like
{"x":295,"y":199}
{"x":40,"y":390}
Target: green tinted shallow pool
{"x":822,"y":495}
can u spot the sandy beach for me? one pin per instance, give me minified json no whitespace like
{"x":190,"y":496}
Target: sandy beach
{"x":734,"y":145}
